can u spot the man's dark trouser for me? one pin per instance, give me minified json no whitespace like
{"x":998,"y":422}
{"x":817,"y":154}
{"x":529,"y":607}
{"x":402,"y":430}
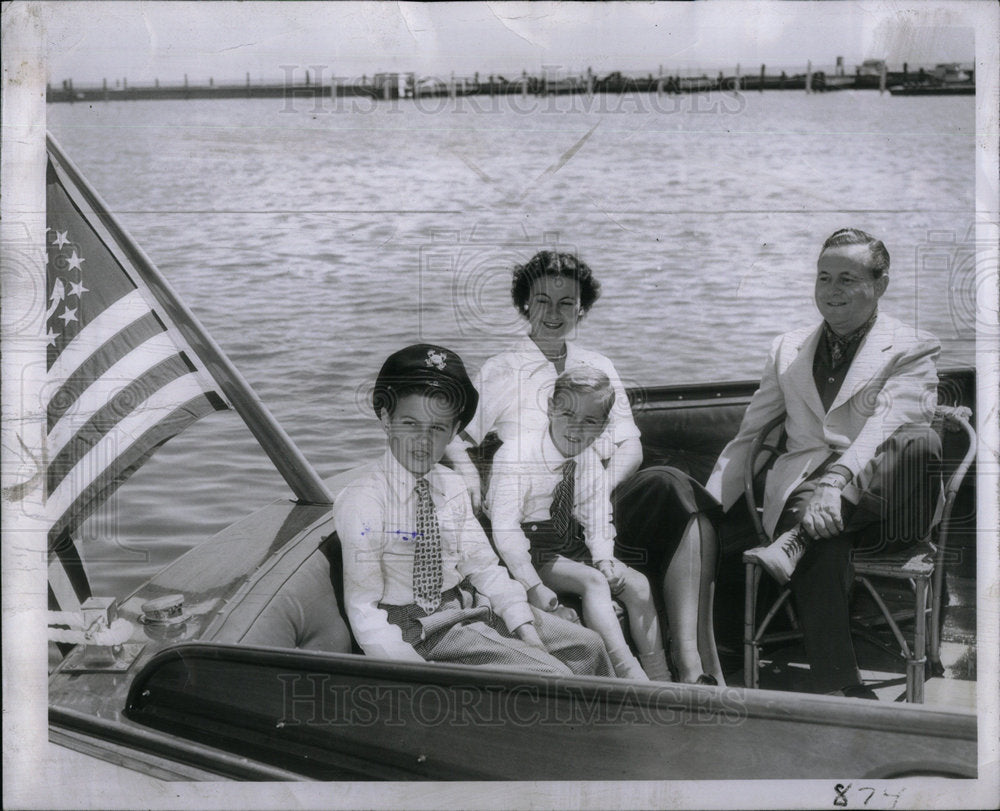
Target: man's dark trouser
{"x":893,"y":512}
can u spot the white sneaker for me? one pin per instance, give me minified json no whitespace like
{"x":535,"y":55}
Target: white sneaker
{"x":783,"y":555}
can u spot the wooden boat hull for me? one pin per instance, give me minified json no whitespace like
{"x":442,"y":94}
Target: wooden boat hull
{"x":354,"y":718}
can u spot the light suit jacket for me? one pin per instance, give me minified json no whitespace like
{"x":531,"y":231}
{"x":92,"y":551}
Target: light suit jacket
{"x":892,"y":381}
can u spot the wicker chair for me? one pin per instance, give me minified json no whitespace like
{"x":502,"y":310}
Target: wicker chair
{"x":922,"y":564}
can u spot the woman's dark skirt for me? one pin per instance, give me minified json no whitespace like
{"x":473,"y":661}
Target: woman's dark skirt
{"x":651,"y":510}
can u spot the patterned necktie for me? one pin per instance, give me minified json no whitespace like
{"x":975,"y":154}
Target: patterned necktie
{"x":427,"y":574}
{"x":561,"y":510}
{"x":839,"y":346}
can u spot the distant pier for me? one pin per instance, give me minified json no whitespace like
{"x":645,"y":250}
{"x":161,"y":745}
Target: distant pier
{"x":943,"y":79}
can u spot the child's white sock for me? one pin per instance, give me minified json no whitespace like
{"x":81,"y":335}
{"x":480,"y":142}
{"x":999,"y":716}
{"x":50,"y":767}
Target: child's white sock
{"x":626,"y":665}
{"x":655,"y":665}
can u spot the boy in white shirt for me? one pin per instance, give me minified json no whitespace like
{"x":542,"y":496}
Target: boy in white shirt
{"x":417,"y":564}
{"x":550,"y":508}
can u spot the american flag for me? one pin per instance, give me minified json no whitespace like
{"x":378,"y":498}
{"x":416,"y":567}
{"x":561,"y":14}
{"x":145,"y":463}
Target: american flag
{"x":121,"y":380}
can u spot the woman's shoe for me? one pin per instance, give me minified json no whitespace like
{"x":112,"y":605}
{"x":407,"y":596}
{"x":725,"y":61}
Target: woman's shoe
{"x":859,"y":691}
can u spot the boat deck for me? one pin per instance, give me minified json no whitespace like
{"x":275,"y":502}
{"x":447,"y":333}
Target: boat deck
{"x":784,"y":667}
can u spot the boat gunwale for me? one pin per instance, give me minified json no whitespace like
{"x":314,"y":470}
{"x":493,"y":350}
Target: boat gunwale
{"x":101,"y":738}
{"x":756,"y":703}
{"x":693,"y":395}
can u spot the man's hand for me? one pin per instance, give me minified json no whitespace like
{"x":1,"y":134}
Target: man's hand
{"x":615,"y":574}
{"x":527,"y":633}
{"x":822,"y":518}
{"x":542,"y":597}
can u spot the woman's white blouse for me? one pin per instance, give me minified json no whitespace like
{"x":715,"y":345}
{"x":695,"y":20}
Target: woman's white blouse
{"x":514,"y":389}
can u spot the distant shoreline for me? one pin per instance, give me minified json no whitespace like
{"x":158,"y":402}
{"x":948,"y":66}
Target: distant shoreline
{"x":944,"y":79}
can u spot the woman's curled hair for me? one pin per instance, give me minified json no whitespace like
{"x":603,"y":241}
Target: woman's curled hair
{"x":552,"y":263}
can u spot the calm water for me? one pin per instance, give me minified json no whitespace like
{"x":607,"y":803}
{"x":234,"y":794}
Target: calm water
{"x":313,"y":241}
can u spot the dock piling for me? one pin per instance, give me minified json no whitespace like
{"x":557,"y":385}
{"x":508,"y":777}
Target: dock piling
{"x":881,"y":79}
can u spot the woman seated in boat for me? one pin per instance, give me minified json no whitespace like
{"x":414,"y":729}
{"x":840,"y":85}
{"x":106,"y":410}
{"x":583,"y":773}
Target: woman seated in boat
{"x":660,"y":513}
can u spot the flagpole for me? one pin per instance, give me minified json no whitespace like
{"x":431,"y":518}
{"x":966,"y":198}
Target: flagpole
{"x":282,"y":451}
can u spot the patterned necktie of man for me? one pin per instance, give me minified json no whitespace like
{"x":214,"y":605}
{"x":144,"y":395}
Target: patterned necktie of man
{"x":427,"y":575}
{"x":561,"y":511}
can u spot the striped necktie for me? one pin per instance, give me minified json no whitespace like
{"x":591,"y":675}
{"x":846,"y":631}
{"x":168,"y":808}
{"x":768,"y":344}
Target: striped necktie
{"x":563,"y":496}
{"x":427,"y":574}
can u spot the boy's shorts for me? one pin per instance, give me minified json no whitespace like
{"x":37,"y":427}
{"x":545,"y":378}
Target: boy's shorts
{"x":547,"y":544}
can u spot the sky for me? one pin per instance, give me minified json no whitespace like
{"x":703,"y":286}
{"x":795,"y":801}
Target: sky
{"x":225,"y":40}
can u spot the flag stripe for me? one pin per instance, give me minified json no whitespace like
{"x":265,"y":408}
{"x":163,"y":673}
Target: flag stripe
{"x":113,"y":475}
{"x":120,"y":439}
{"x":67,"y":577}
{"x":103,"y":361}
{"x":141,"y":360}
{"x":121,"y":403}
{"x":105,"y":326}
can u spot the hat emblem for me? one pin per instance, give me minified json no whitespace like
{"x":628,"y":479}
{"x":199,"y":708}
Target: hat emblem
{"x":435,"y":359}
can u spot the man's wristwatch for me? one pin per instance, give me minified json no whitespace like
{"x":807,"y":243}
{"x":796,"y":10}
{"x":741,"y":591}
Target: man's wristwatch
{"x":832,"y":479}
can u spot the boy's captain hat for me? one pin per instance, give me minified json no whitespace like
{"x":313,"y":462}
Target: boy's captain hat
{"x":430,"y":366}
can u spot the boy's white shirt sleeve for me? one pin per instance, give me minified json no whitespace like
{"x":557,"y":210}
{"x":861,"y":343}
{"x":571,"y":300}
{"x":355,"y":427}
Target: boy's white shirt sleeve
{"x":491,"y":382}
{"x":593,"y":506}
{"x":621,"y":423}
{"x":505,"y":501}
{"x":359,"y":519}
{"x":479,"y":563}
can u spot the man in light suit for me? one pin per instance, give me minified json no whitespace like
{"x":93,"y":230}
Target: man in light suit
{"x":858,"y":393}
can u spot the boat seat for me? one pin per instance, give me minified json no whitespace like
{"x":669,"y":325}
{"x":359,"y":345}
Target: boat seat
{"x":689,"y":439}
{"x":303,"y":613}
{"x":332,"y":550}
